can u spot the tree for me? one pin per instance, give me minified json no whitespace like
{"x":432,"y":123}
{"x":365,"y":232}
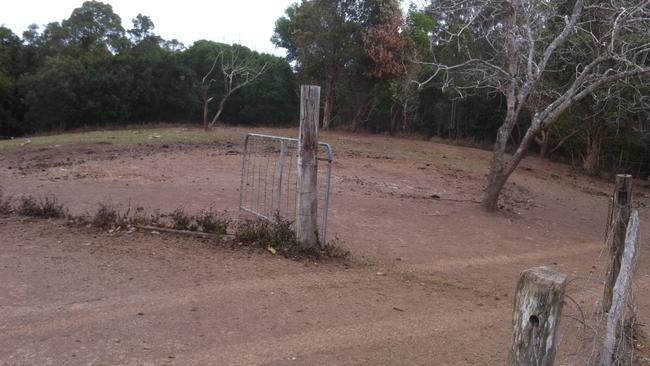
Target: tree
{"x":383,"y":53}
{"x":385,"y":42}
{"x":94,"y":26}
{"x":84,"y":71}
{"x":321,"y":37}
{"x":237,"y":72}
{"x":511,"y":47}
{"x":608,"y":114}
{"x":52,"y":94}
{"x":142,"y":28}
{"x":10,"y":52}
{"x":10,"y":47}
{"x":54,"y":40}
{"x":404,"y":94}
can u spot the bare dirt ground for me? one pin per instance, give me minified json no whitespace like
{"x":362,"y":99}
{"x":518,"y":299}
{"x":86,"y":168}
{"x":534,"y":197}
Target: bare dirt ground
{"x":430,"y":282}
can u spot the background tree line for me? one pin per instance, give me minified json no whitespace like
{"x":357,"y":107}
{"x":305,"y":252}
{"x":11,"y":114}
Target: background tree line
{"x":372,"y":59}
{"x":89,"y":71}
{"x":431,"y":71}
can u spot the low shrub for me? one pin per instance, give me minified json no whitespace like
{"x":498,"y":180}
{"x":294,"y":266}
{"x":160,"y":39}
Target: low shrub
{"x":278,"y":235}
{"x":46,"y":207}
{"x":106,"y":216}
{"x":180,"y":220}
{"x":5,"y":204}
{"x":213,"y":222}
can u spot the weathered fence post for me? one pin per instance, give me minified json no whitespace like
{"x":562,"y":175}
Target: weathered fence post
{"x":615,"y":317}
{"x":536,"y":317}
{"x":307,"y":190}
{"x":615,"y":241}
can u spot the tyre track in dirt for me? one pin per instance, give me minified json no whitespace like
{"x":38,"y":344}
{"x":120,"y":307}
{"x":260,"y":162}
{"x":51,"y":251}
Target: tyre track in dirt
{"x":69,"y":315}
{"x":302,"y":345}
{"x":45,"y":321}
{"x":540,"y":258}
{"x":322,"y":280}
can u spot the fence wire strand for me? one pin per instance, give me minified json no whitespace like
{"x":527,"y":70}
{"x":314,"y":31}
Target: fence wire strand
{"x":582,"y":329}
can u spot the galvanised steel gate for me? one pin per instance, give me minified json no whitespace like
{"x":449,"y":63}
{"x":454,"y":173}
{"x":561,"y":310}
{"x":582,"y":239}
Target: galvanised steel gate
{"x":269,"y":178}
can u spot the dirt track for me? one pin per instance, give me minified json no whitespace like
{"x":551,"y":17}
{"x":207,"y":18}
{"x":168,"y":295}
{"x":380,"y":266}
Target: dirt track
{"x":431,"y":281}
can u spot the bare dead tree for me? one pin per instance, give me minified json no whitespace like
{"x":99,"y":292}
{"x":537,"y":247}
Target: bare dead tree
{"x":236,"y":74}
{"x":514,"y":47}
{"x":206,"y":85}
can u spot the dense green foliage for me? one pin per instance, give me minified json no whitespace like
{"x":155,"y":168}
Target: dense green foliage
{"x":88,"y":71}
{"x":352,"y":48}
{"x":362,"y":53}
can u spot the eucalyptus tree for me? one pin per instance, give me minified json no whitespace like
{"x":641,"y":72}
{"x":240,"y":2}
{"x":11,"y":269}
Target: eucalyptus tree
{"x":511,"y":47}
{"x":404,"y":93}
{"x":321,"y":38}
{"x":142,"y":29}
{"x":383,"y":54}
{"x":10,"y":67}
{"x":94,"y":26}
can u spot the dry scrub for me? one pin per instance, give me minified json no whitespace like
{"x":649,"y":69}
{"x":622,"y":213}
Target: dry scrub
{"x":45,"y":207}
{"x":5,"y":204}
{"x":277,"y":236}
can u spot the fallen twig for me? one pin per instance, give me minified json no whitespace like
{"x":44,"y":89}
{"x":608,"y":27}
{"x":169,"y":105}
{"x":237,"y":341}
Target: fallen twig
{"x":185,"y":232}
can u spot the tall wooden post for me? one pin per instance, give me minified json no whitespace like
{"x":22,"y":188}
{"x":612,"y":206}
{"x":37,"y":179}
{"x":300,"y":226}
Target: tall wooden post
{"x":621,"y":289}
{"x":536,"y":317}
{"x":307,"y":190}
{"x":620,"y":215}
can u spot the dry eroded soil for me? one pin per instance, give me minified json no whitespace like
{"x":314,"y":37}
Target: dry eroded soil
{"x":431,"y":280}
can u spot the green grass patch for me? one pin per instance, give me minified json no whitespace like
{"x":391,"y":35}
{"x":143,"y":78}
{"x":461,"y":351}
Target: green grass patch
{"x":132,"y":136}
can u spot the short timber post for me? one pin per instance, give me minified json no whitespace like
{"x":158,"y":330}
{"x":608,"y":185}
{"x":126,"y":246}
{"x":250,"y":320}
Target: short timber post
{"x":536,"y":317}
{"x":615,"y":241}
{"x":621,"y":289}
{"x":307,"y":190}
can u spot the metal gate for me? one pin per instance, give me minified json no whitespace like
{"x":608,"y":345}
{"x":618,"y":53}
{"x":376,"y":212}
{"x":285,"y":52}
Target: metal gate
{"x":269,"y":178}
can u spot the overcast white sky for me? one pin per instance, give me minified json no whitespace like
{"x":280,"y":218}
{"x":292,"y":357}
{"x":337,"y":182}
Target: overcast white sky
{"x":248,"y":22}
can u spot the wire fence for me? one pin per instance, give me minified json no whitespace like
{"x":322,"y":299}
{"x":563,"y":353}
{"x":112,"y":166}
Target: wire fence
{"x":583,"y":327}
{"x":269,"y":179}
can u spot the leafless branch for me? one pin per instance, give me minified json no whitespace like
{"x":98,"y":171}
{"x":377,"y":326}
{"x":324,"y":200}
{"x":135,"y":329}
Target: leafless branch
{"x":236,"y":74}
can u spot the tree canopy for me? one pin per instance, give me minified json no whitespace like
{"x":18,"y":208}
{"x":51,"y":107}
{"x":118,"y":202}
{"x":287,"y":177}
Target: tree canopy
{"x":441,"y":70}
{"x":88,"y":70}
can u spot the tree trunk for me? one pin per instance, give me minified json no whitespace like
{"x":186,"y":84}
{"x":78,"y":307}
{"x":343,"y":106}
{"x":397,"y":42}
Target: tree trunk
{"x":493,"y":190}
{"x":329,"y":101}
{"x":205,"y":114}
{"x":591,"y":162}
{"x":361,"y":114}
{"x":405,"y":108}
{"x":393,"y":120}
{"x":544,"y":143}
{"x":222,"y":103}
{"x":498,"y":173}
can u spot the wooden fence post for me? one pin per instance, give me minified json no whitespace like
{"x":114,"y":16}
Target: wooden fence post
{"x":615,"y":241}
{"x":307,"y":190}
{"x":536,"y":317}
{"x":615,"y":317}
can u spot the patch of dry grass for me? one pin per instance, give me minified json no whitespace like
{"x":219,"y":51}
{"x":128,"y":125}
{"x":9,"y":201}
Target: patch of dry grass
{"x":44,"y":207}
